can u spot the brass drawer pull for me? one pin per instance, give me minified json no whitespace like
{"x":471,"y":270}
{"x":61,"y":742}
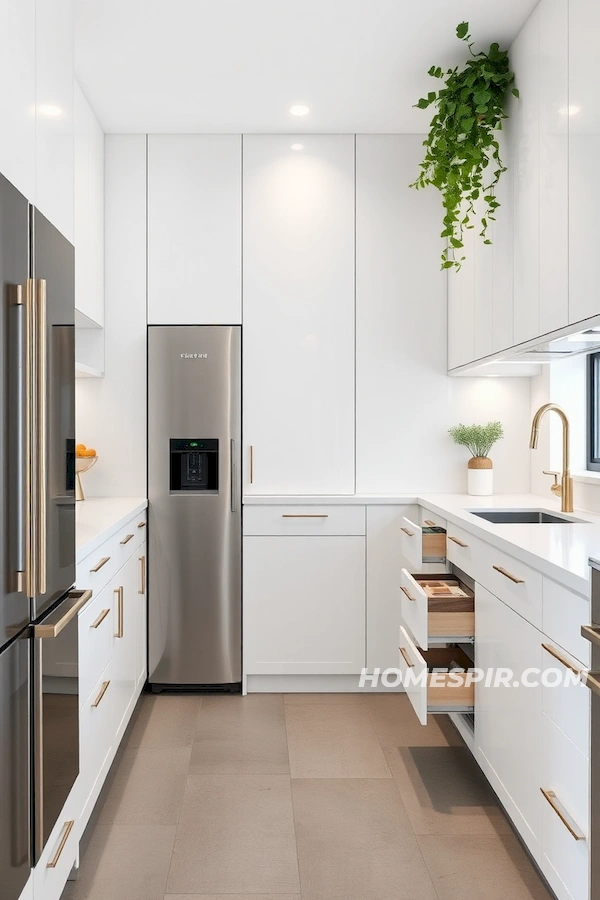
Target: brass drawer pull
{"x":103,"y":690}
{"x":508,"y":575}
{"x":406,"y":531}
{"x":141,"y":524}
{"x":455,"y":540}
{"x":67,"y":829}
{"x":402,"y":588}
{"x":407,"y":658}
{"x":119,"y":592}
{"x":251,"y":464}
{"x":429,"y":522}
{"x":100,"y":618}
{"x":126,"y":539}
{"x":561,"y":659}
{"x":563,"y":815}
{"x":305,"y":516}
{"x":591,"y":633}
{"x":52,"y":627}
{"x":99,"y":565}
{"x":142,"y":588}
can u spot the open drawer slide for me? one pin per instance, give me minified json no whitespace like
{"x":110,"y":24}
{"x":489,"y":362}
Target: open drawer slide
{"x":437,"y":609}
{"x":436,"y":681}
{"x":422,"y":544}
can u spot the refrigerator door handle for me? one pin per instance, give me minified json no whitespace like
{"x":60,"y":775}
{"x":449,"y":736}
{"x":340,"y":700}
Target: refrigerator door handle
{"x":23,"y":301}
{"x":42,"y":435}
{"x":233,"y":477}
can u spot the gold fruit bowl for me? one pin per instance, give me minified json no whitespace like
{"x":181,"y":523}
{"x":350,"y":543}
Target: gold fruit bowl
{"x":82,"y":464}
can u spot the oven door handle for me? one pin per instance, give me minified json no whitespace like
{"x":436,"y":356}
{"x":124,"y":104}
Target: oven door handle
{"x":52,"y":629}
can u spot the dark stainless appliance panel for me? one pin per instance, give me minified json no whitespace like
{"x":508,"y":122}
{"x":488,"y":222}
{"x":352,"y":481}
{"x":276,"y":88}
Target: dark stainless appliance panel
{"x":14,"y":272}
{"x":55,"y":712}
{"x":15,"y":860}
{"x":55,"y":464}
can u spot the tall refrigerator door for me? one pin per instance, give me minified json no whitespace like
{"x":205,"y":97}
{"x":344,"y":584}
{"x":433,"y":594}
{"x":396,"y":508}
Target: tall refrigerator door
{"x":14,"y":496}
{"x":194,"y":433}
{"x":14,"y":768}
{"x":54,"y":513}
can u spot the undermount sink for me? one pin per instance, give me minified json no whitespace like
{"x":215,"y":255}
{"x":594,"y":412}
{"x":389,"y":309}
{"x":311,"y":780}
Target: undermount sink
{"x":524,"y":517}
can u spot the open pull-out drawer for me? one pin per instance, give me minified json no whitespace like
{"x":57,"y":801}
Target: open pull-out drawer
{"x":422,"y":544}
{"x":437,"y":609}
{"x":434,"y":680}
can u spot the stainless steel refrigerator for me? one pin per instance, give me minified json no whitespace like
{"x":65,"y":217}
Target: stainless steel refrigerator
{"x":194,"y":493}
{"x":37,"y":536}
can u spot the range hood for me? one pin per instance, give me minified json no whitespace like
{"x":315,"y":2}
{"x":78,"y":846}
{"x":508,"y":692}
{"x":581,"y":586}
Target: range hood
{"x":568,"y":345}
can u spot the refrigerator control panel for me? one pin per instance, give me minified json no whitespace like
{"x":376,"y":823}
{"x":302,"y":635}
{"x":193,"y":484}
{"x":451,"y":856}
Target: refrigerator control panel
{"x":194,"y":465}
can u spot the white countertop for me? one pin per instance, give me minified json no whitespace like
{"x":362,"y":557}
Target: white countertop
{"x":100,"y":517}
{"x":329,"y":500}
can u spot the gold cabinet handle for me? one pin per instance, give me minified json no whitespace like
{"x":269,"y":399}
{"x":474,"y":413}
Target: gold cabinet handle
{"x":508,"y":575}
{"x":67,"y":829}
{"x":119,"y":592}
{"x":429,"y":522}
{"x":305,"y":515}
{"x":591,"y":633}
{"x":141,"y":524}
{"x":101,"y":694}
{"x":251,"y":464}
{"x":406,"y":531}
{"x":51,"y":627}
{"x":126,"y":539}
{"x":407,"y":658}
{"x":142,"y":588}
{"x":99,"y":565}
{"x":402,"y":588}
{"x":569,"y":823}
{"x":100,"y":619}
{"x":561,"y":659}
{"x":29,"y":403}
{"x":455,"y":540}
{"x":42,"y":434}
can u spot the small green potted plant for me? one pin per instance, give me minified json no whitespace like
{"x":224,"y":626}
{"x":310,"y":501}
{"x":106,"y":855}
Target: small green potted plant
{"x":479,"y":440}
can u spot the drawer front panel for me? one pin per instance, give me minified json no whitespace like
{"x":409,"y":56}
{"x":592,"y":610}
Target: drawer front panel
{"x":435,"y":619}
{"x":412,"y":544}
{"x":413,"y":604}
{"x":563,"y":614}
{"x":97,"y":726}
{"x":565,"y":773}
{"x":567,"y":705}
{"x":416,"y":688}
{"x":464,"y":551}
{"x":96,"y":630}
{"x":431,"y":519}
{"x":304,"y":520}
{"x":98,"y":567}
{"x":59,"y":855}
{"x":515,"y":583}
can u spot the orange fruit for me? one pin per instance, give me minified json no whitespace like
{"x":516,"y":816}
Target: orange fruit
{"x":91,"y":452}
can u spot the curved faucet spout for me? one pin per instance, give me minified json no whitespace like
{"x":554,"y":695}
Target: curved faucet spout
{"x":566,"y":486}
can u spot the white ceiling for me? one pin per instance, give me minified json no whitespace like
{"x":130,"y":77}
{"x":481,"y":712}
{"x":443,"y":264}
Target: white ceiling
{"x":238,"y":65}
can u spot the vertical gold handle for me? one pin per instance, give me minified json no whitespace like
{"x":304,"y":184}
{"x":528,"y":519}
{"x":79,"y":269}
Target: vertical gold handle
{"x":142,"y":588}
{"x":251,"y":464}
{"x":41,"y":428}
{"x":29,"y":435}
{"x":101,"y":693}
{"x":119,"y":592}
{"x":67,"y":829}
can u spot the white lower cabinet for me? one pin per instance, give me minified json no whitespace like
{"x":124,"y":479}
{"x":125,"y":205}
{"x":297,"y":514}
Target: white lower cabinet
{"x":124,"y":648}
{"x":60,"y":853}
{"x":304,"y":605}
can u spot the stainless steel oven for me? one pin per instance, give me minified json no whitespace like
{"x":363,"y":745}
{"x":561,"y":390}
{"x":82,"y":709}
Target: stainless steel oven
{"x":55,"y":712}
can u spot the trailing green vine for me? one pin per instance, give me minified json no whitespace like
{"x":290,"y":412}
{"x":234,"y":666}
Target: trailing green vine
{"x":462,"y":144}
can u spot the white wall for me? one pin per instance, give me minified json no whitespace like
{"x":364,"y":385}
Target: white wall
{"x":405,"y":400}
{"x":111,"y":411}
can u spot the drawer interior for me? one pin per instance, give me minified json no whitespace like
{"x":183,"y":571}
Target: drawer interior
{"x":448,"y":690}
{"x":434,"y":543}
{"x":450,"y":606}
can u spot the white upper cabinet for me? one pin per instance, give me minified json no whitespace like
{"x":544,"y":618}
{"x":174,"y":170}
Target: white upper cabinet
{"x":554,"y":165}
{"x":584,"y":153}
{"x":89,"y":213}
{"x":461,"y":306}
{"x":17,"y":101}
{"x":525,"y":113}
{"x":194,"y":229}
{"x":54,"y":99}
{"x":299,"y":314}
{"x":503,"y":249}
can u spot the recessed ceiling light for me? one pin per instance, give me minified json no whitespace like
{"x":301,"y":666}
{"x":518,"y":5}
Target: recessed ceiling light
{"x":297,"y":146}
{"x":48,"y":109}
{"x":569,"y":110}
{"x":299,"y":109}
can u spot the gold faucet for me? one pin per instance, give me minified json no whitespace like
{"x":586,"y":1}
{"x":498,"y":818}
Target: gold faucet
{"x":564,"y":490}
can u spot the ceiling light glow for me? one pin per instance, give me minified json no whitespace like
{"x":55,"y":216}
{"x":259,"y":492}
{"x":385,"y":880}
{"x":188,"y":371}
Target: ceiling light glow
{"x":299,"y":109}
{"x":48,"y":109}
{"x":297,"y":146}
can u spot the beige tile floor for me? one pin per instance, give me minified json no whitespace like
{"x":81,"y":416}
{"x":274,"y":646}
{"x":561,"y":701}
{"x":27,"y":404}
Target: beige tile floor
{"x":297,"y":797}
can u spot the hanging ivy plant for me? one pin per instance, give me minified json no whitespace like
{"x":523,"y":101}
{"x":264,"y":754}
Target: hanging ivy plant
{"x":462,"y":157}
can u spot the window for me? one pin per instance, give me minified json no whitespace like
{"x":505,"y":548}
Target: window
{"x":593,"y":412}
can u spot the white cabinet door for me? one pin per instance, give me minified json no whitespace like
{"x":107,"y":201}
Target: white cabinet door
{"x":525,"y":113}
{"x":503,"y":248}
{"x":194,"y":229}
{"x":54,"y":132}
{"x":304,"y":605}
{"x":140,"y":600}
{"x":124,"y":650}
{"x":554,"y":165}
{"x":299,"y":314}
{"x":89,"y":213}
{"x":508,"y":718}
{"x":584,"y":152}
{"x":17,"y":103}
{"x":461,"y":307}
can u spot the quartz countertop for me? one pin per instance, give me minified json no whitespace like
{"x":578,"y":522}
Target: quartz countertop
{"x":99,"y":518}
{"x":329,"y":500}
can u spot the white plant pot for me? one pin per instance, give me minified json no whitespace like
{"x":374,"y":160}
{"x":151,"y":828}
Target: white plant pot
{"x":480,"y":477}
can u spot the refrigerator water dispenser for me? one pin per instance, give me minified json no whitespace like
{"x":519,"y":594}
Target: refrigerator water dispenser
{"x":194,"y":464}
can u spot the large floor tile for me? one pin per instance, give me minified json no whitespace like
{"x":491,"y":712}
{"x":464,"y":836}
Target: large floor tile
{"x":333,"y":741}
{"x":325,"y":699}
{"x":124,"y":862}
{"x":397,"y":725}
{"x":445,"y":792}
{"x":241,"y":735}
{"x":233,"y":897}
{"x":490,"y":867}
{"x":164,"y":720}
{"x":355,"y":842}
{"x":235,"y":835}
{"x":147,"y":787}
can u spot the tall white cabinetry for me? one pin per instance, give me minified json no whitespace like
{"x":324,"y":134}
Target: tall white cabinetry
{"x":89,"y":214}
{"x":298,"y":251}
{"x":194,"y":229}
{"x":17,"y":101}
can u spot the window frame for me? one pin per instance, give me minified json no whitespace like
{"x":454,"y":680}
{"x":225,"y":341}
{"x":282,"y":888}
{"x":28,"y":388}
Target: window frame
{"x":593,"y":413}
